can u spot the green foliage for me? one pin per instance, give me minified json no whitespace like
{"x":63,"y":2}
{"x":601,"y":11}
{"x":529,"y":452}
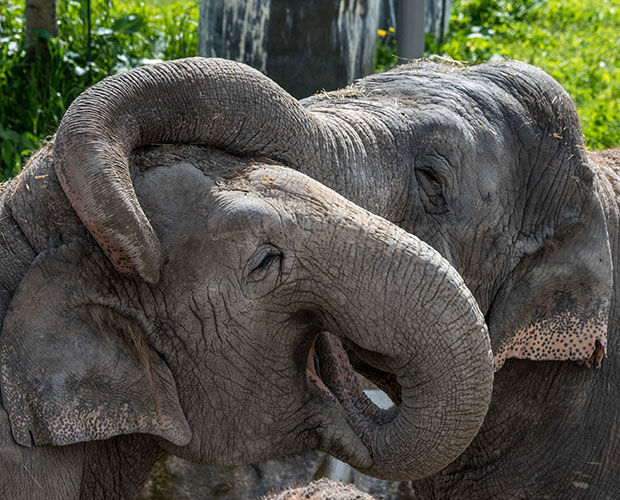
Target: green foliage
{"x":576,"y":42}
{"x":35,"y":95}
{"x":387,"y":54}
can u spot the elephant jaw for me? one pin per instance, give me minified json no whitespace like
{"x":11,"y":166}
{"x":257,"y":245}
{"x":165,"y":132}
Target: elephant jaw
{"x":332,"y":377}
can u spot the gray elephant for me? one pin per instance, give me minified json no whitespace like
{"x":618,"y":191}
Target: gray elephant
{"x":207,"y":316}
{"x":486,"y":164}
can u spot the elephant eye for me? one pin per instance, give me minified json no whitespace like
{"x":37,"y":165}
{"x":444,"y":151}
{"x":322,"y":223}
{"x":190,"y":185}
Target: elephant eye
{"x":434,"y":176}
{"x":431,"y":190}
{"x":264,"y":260}
{"x":429,"y":181}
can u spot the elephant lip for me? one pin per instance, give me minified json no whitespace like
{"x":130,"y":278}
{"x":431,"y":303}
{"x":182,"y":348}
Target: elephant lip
{"x":328,"y":368}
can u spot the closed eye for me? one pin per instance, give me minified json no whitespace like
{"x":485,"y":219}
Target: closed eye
{"x":264,"y":261}
{"x":429,"y":181}
{"x":267,"y":261}
{"x":435,"y":177}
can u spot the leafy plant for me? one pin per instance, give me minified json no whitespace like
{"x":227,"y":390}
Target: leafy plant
{"x":35,"y":95}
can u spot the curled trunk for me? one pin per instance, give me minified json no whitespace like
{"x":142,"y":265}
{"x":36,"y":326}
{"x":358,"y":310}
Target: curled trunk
{"x":423,"y":331}
{"x":436,"y":357}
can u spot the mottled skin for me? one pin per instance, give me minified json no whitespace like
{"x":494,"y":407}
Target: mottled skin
{"x":532,"y":226}
{"x":488,"y":165}
{"x":103,"y":372}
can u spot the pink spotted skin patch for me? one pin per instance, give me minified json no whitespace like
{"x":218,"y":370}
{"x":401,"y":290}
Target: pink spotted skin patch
{"x":561,"y":338}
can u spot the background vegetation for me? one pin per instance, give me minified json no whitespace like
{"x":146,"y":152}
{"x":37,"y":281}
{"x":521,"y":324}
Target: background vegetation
{"x":125,"y":34}
{"x":576,"y":41}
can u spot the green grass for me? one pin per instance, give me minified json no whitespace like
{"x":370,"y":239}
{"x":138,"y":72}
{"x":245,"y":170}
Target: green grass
{"x":577,"y":42}
{"x":34,"y":96}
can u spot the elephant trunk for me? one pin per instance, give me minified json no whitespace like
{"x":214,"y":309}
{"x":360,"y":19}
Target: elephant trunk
{"x":214,"y":102}
{"x":424,"y":330}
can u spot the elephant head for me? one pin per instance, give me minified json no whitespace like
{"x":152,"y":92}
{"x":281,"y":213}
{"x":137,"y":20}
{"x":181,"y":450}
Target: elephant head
{"x":503,"y":188}
{"x":223,"y":350}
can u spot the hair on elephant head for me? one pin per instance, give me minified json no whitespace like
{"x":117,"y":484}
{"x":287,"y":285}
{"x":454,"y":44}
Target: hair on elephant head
{"x":223,"y":349}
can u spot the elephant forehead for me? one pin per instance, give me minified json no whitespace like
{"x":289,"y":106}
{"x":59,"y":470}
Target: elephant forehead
{"x":171,"y":191}
{"x":245,"y":212}
{"x":298,"y":194}
{"x":177,"y":200}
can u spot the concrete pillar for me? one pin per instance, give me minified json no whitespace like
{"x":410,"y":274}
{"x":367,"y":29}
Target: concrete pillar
{"x":436,"y":15}
{"x":410,"y":29}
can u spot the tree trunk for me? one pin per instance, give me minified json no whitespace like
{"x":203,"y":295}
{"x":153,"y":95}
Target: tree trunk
{"x":40,"y":16}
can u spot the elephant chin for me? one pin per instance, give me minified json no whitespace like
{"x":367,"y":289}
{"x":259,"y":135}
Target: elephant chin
{"x":330,"y":370}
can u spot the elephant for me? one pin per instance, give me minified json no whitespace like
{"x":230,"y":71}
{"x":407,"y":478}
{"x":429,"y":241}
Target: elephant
{"x":210,"y":322}
{"x":485,"y":164}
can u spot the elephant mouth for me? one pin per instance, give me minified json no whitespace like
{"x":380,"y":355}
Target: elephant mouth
{"x":332,"y":367}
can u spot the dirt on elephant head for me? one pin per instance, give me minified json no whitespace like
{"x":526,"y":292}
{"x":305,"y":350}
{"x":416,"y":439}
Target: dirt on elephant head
{"x":608,"y":157}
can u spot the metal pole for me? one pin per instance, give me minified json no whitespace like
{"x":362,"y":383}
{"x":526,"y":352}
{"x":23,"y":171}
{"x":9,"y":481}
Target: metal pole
{"x":410,"y":30}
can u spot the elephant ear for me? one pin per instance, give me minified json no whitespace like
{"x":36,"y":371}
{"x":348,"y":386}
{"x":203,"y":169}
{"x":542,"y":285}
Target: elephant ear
{"x":556,"y":304}
{"x":72,"y":371}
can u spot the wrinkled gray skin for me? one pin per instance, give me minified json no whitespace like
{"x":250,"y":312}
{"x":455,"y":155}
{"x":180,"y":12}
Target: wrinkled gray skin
{"x":104,"y":372}
{"x":495,"y":176}
{"x":487,"y":165}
